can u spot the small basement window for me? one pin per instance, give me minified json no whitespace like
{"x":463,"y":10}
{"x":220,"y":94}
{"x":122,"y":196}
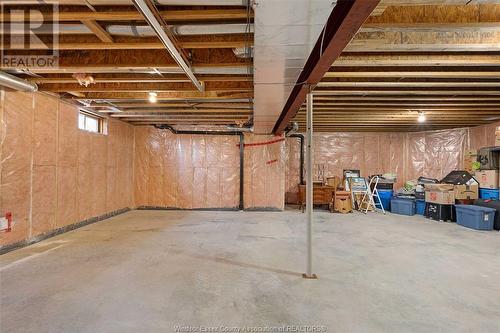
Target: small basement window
{"x":91,"y":123}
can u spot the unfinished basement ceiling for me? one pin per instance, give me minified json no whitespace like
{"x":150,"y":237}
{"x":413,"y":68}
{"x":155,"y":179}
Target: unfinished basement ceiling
{"x":111,"y":42}
{"x":440,"y":58}
{"x":410,"y":56}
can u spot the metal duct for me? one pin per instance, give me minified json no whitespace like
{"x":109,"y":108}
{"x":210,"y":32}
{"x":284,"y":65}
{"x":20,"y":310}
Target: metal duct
{"x":203,"y":2}
{"x":282,"y":45}
{"x":134,"y":30}
{"x":292,"y":128}
{"x":15,"y":83}
{"x":237,"y":70}
{"x":127,"y":2}
{"x":240,"y":129}
{"x":151,"y":15}
{"x":180,"y":30}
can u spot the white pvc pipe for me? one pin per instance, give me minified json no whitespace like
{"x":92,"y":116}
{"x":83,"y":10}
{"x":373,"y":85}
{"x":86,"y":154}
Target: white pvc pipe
{"x":309,"y":184}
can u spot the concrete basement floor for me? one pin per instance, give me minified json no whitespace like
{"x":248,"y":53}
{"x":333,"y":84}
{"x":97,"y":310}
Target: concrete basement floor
{"x":148,"y":271}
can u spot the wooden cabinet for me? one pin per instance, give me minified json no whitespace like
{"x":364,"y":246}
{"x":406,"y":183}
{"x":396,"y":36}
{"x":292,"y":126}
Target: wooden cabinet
{"x":322,"y":195}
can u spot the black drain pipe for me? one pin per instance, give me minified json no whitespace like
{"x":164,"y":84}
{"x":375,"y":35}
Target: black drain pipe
{"x":302,"y":141}
{"x":242,"y":150}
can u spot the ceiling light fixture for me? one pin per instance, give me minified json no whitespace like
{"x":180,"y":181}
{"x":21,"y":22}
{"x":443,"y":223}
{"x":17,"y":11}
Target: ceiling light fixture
{"x":153,"y":97}
{"x":421,"y":117}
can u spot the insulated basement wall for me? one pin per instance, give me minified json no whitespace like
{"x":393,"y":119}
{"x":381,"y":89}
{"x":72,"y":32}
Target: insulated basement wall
{"x":409,"y":155}
{"x":482,"y":136}
{"x":265,"y":161}
{"x":371,"y":153}
{"x":203,"y":171}
{"x":53,"y":174}
{"x":185,"y":171}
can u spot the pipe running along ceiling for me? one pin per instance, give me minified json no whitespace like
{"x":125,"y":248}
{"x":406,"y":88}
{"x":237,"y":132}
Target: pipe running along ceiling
{"x":110,"y":43}
{"x":411,"y":56}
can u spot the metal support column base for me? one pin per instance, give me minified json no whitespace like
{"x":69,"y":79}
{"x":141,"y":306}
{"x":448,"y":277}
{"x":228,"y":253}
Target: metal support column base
{"x":310,"y":277}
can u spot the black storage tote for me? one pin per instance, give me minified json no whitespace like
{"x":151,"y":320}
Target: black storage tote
{"x":488,"y":158}
{"x":491,"y":204}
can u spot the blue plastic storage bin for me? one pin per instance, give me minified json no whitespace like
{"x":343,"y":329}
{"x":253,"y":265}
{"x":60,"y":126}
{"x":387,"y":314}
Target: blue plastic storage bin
{"x":403,"y":206}
{"x":488,"y":193}
{"x":475,"y":217}
{"x":420,"y":207}
{"x":385,"y":198}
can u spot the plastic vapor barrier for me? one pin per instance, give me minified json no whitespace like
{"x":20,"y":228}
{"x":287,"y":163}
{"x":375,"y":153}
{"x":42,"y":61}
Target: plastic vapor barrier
{"x":435,"y":153}
{"x":292,"y":169}
{"x":482,"y":136}
{"x":52,"y":173}
{"x":264,"y":172}
{"x":409,"y":155}
{"x":333,"y":152}
{"x":184,"y":170}
{"x":195,"y":171}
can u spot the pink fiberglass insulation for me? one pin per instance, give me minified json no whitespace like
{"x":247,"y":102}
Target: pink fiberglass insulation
{"x":408,"y":155}
{"x":192,"y":171}
{"x":264,"y":172}
{"x":52,"y":173}
{"x":186,"y":171}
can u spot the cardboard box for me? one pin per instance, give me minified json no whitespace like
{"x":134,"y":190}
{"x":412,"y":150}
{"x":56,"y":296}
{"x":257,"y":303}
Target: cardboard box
{"x":470,"y":156}
{"x":487,"y":178}
{"x":443,"y":194}
{"x":497,"y":136}
{"x":466,"y":192}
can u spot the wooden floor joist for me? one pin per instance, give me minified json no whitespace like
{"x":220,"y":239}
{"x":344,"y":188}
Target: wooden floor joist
{"x":408,"y":92}
{"x":123,"y":78}
{"x":419,"y":99}
{"x":169,"y":15}
{"x":146,"y":87}
{"x":441,"y":60}
{"x":344,"y":21}
{"x":441,"y":57}
{"x":415,"y":74}
{"x":110,"y":45}
{"x":98,"y":30}
{"x":163,"y":96}
{"x":191,"y":111}
{"x":417,"y":60}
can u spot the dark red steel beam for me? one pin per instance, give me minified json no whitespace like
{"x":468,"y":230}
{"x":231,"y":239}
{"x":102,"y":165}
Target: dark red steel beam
{"x":345,"y":20}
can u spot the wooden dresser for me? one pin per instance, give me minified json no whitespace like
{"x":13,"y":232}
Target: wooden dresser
{"x":322,"y":195}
